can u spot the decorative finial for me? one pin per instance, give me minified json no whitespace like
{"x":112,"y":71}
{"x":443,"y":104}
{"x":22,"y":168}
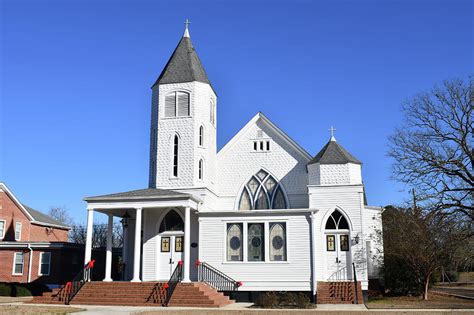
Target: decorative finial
{"x":332,"y":133}
{"x":186,"y":31}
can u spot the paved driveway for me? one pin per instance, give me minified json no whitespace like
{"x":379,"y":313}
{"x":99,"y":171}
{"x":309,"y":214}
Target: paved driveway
{"x":467,"y":292}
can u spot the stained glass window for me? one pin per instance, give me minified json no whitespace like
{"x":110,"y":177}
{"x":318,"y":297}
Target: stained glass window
{"x":277,"y":241}
{"x":245,"y":203}
{"x":330,"y":239}
{"x":344,"y":242}
{"x":234,"y":242}
{"x":261,"y":202}
{"x":262,"y":191}
{"x":255,"y":242}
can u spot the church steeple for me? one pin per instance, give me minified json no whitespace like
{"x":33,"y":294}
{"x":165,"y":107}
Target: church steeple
{"x":183,"y":122}
{"x":184,"y":64}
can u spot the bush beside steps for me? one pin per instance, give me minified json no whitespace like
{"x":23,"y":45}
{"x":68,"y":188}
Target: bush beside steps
{"x":283,"y":300}
{"x":15,"y":289}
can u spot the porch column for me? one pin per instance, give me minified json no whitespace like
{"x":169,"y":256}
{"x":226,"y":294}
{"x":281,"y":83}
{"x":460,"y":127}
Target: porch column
{"x":125,"y":250}
{"x":108,"y":254}
{"x":187,"y":245}
{"x":90,"y":221}
{"x":137,"y":247}
{"x":313,"y":255}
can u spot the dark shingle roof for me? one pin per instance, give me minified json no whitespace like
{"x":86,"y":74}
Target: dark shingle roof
{"x":43,"y":218}
{"x":140,"y":193}
{"x":183,"y":66}
{"x":334,"y":153}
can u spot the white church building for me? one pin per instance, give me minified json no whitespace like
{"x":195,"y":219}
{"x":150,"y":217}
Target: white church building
{"x":262,"y":210}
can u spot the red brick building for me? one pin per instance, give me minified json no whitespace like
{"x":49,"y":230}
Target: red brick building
{"x":33,"y":246}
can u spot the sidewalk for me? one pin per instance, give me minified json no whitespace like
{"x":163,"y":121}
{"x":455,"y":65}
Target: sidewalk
{"x":236,"y":309}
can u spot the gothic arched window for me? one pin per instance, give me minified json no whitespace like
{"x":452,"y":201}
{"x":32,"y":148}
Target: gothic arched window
{"x":171,"y":222}
{"x":234,"y":242}
{"x":262,"y":191}
{"x":201,"y":136}
{"x":175,"y":155}
{"x":337,"y":221}
{"x":201,"y":169}
{"x":212,"y":112}
{"x":277,"y":241}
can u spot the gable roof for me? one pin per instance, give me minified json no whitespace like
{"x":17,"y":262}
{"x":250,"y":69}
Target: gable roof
{"x":183,"y":66}
{"x":334,"y":153}
{"x":272,"y":126}
{"x":43,"y":218}
{"x":35,"y":216}
{"x":147,"y":193}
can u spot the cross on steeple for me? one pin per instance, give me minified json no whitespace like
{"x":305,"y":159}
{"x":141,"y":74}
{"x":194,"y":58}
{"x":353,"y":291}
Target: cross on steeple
{"x":186,"y":31}
{"x":331,"y":130}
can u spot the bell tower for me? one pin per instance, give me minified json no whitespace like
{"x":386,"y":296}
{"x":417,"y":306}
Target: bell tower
{"x":183,"y":123}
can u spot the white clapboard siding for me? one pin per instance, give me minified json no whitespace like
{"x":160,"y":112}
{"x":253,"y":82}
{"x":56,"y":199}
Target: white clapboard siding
{"x":292,"y":275}
{"x":348,"y":200}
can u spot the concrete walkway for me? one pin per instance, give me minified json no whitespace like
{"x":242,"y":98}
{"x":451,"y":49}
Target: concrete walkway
{"x":243,"y":309}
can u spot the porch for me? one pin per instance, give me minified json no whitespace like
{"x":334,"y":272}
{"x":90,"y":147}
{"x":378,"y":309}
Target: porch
{"x":157,"y":228}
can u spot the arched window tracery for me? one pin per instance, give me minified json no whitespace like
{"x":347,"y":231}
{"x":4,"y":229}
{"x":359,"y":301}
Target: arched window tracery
{"x":262,"y":191}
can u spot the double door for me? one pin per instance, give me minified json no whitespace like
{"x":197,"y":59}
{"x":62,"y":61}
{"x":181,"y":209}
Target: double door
{"x":338,"y":256}
{"x":170,"y":252}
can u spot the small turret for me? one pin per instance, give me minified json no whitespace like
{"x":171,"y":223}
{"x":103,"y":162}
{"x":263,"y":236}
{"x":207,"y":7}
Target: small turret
{"x":333,"y":165}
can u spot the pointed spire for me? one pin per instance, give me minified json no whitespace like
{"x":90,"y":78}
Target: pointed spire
{"x":184,"y":64}
{"x":186,"y":30}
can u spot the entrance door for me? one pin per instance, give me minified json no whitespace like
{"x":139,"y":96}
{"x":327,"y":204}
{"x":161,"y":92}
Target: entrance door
{"x":338,"y":253}
{"x":338,"y":256}
{"x":171,"y":252}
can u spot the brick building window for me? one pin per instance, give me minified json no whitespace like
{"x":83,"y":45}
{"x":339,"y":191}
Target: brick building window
{"x":2,"y":228}
{"x":17,"y":231}
{"x":45,"y":264}
{"x":18,"y":263}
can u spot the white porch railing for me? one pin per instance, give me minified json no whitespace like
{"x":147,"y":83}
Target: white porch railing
{"x":342,"y":274}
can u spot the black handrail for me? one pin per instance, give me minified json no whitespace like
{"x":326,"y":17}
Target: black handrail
{"x":72,"y":287}
{"x":175,"y":278}
{"x":355,"y":284}
{"x":215,"y":278}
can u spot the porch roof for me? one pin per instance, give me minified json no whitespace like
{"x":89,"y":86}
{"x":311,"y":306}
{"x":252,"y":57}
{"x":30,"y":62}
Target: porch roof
{"x":142,"y":194}
{"x":118,"y":203}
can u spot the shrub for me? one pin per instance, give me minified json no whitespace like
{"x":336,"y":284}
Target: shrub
{"x":283,"y":300}
{"x":267,"y":300}
{"x":5,"y":289}
{"x":21,"y":289}
{"x":302,"y":300}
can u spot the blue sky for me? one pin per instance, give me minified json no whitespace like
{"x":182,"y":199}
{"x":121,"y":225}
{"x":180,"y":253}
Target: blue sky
{"x":76,"y":78}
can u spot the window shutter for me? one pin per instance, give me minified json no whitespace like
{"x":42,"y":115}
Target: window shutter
{"x":170,"y":105}
{"x":183,"y":104}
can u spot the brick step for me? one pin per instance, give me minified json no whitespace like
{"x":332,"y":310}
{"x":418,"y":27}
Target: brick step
{"x":197,"y":298}
{"x":114,"y":303}
{"x":121,"y":292}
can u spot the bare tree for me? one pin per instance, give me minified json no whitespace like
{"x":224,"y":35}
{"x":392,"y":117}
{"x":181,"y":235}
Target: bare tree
{"x":417,"y":243}
{"x":60,"y":214}
{"x":78,"y":235}
{"x":432,"y":150}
